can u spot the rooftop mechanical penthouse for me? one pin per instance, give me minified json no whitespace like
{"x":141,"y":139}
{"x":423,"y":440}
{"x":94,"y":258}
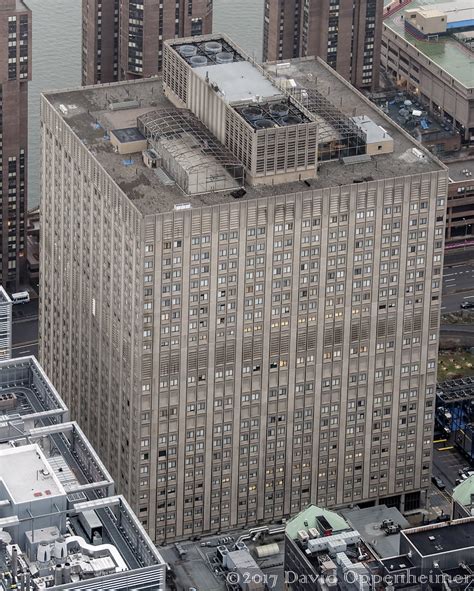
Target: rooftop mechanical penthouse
{"x":241,"y":332}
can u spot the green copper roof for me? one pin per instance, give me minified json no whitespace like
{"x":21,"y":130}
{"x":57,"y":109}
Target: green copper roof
{"x":309,"y":515}
{"x":462,"y":493}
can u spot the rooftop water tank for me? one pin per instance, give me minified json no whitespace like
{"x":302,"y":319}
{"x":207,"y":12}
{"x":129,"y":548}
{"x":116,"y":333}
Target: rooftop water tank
{"x":187,"y":50}
{"x":224,"y":57}
{"x":267,"y":550}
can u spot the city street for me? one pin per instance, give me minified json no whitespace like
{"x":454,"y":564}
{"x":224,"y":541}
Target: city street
{"x":458,"y":279}
{"x":25,"y":329}
{"x":447,"y":461}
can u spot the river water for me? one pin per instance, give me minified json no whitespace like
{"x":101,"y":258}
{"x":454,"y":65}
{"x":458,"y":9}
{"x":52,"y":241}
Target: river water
{"x":56,"y":64}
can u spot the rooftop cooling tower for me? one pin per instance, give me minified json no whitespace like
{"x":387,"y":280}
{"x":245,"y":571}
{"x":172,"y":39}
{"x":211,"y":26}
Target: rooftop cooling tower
{"x":264,"y":123}
{"x":198,"y":60}
{"x":290,"y":120}
{"x":187,"y":50}
{"x":252,"y":113}
{"x":279,"y":110}
{"x":212,"y":47}
{"x":224,"y":57}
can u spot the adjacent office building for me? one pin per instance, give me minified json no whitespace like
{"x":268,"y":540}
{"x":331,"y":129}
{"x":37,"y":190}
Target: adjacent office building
{"x":15,"y":72}
{"x":62,"y":526}
{"x":344,"y":33}
{"x":5,"y":325}
{"x":240,"y":288}
{"x":124,"y":40}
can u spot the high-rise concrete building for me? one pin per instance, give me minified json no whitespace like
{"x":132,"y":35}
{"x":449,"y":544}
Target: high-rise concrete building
{"x":15,"y":72}
{"x":63,"y":528}
{"x":346,"y":34}
{"x":240,"y":288}
{"x":5,"y":325}
{"x":100,"y":41}
{"x":124,"y":40}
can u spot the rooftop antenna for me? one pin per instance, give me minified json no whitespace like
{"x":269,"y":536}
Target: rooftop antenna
{"x":207,"y":76}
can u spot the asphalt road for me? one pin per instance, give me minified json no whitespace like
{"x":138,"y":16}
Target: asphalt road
{"x":447,"y":461}
{"x":25,"y":329}
{"x":458,"y":283}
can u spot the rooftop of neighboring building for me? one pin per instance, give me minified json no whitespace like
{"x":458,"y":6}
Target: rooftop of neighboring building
{"x":448,"y":53}
{"x":43,"y":458}
{"x":444,"y":537}
{"x":26,"y":390}
{"x":368,"y":521}
{"x":87,"y":112}
{"x":463,"y":493}
{"x":309,"y":518}
{"x":4,"y":297}
{"x":26,"y":474}
{"x":461,"y":171}
{"x":196,"y":564}
{"x":10,"y":5}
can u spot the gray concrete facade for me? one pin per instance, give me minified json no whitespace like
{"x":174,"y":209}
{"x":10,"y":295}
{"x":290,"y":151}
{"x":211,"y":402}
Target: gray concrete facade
{"x":240,"y":359}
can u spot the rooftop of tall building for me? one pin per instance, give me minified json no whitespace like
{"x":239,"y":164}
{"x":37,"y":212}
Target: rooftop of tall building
{"x":94,"y":112}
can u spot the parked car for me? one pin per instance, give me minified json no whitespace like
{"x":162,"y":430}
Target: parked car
{"x":467,"y":305}
{"x":438,"y":482}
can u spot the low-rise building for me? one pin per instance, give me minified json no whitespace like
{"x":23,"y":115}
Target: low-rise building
{"x":424,"y":50}
{"x":463,"y":499}
{"x":460,"y":204}
{"x":323,"y":551}
{"x":61,"y":525}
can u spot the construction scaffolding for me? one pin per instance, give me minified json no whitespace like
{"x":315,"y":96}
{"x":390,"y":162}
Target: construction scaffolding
{"x":189,"y":152}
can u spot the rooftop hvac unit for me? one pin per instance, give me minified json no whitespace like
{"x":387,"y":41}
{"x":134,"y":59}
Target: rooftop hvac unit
{"x":151,"y":159}
{"x":44,"y":552}
{"x":313,"y":532}
{"x":224,"y":57}
{"x":264,"y":123}
{"x":335,"y":546}
{"x":221,"y":553}
{"x":291,"y":120}
{"x":187,"y":50}
{"x":60,"y":548}
{"x":303,"y":535}
{"x":279,"y":109}
{"x":198,"y":61}
{"x":252,"y":113}
{"x":212,"y":47}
